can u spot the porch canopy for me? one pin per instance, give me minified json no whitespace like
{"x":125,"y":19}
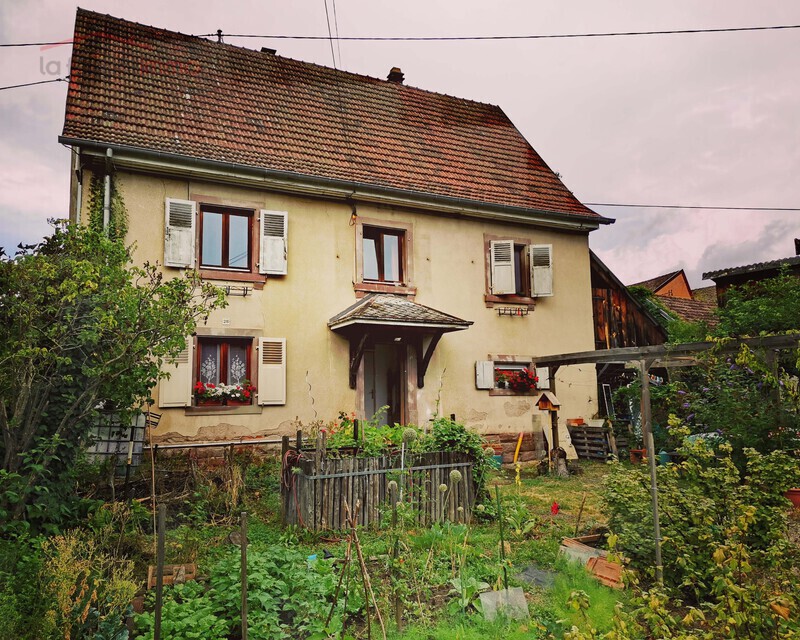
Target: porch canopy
{"x":391,"y":317}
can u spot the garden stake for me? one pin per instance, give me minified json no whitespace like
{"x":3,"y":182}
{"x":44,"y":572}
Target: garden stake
{"x":347,"y":558}
{"x":162,"y":513}
{"x":580,"y":513}
{"x":502,"y":541}
{"x":368,"y":593}
{"x":244,"y":575}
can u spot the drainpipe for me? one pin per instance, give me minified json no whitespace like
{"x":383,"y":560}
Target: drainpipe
{"x":107,"y":192}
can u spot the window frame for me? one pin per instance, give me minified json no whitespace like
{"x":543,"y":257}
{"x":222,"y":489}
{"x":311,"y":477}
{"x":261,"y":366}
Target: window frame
{"x":214,"y":203}
{"x":509,"y":363}
{"x":524,"y":293}
{"x":226,"y":213}
{"x":364,"y":286}
{"x":224,"y":342}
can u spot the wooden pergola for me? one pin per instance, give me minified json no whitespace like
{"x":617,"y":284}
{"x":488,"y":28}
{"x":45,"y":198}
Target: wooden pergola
{"x":662,"y":356}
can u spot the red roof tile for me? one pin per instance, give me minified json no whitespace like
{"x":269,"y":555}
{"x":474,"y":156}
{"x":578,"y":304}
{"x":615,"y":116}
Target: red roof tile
{"x":159,"y":90}
{"x":690,"y":310}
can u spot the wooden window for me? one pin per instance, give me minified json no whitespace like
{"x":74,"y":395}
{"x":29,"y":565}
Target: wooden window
{"x":224,"y":361}
{"x":383,"y":254}
{"x":225,"y":238}
{"x":517,"y":271}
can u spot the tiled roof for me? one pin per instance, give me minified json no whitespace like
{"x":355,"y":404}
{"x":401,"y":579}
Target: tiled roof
{"x":654,"y":284}
{"x":395,"y":310}
{"x":153,"y":89}
{"x":690,"y":310}
{"x":753,"y":268}
{"x":705,"y":294}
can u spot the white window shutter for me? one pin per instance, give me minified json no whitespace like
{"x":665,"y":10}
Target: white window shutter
{"x":272,"y":371}
{"x":484,"y":374}
{"x":273,"y":250}
{"x":543,"y":373}
{"x":502,"y":259}
{"x":176,"y":391}
{"x":541,"y":258}
{"x":179,"y":233}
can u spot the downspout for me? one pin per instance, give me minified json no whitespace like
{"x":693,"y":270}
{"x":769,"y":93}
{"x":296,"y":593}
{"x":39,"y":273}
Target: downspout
{"x":107,"y":192}
{"x":76,"y":167}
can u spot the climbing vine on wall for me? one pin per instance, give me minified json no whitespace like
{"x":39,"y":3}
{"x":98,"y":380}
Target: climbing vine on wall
{"x":118,"y":215}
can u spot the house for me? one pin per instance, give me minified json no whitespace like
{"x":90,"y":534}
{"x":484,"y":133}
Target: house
{"x":724,"y":279}
{"x":673,"y":292}
{"x":382,"y":245}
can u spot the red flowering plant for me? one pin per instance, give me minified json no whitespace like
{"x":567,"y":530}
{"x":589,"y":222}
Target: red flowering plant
{"x":237,"y":392}
{"x":522,"y":380}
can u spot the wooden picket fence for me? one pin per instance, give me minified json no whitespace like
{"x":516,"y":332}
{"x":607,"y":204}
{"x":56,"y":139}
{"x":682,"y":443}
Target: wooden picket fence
{"x":316,"y":485}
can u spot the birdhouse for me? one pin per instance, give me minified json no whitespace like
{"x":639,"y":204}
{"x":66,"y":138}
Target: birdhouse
{"x":548,"y":402}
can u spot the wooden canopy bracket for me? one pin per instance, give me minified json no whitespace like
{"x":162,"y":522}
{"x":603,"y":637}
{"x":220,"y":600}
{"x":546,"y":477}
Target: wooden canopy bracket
{"x":424,"y":359}
{"x":356,"y":353}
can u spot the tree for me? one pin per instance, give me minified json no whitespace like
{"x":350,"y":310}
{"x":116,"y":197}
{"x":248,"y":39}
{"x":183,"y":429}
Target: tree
{"x":765,"y":306}
{"x":80,"y":328}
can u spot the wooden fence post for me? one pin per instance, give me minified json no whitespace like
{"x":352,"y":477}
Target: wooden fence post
{"x":299,"y":440}
{"x":162,"y":512}
{"x":244,"y":575}
{"x":284,"y":488}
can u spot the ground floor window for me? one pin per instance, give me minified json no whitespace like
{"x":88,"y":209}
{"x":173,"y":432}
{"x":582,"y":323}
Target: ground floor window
{"x":223,"y":370}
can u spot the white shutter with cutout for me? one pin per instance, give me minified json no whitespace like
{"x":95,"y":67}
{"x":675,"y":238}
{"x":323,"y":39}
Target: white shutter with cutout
{"x":273,"y":249}
{"x":502,"y":264}
{"x":271,"y":371}
{"x":484,"y":374}
{"x":543,"y":373}
{"x":179,"y":233}
{"x":541,"y":257}
{"x":176,"y":391}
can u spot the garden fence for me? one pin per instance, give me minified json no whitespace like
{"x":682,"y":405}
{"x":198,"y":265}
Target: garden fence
{"x":315,"y":487}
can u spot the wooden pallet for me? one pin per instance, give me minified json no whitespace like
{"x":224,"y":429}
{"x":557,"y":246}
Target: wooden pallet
{"x":591,"y":443}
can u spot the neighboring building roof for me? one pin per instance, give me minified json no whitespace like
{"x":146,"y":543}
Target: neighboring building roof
{"x":150,"y":89}
{"x":654,"y":284}
{"x":705,"y":294}
{"x":390,"y":309}
{"x":772,"y":265}
{"x":690,"y":310}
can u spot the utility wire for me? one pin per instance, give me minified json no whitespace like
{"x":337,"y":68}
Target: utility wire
{"x":678,"y":206}
{"x":541,"y":36}
{"x":30,"y":84}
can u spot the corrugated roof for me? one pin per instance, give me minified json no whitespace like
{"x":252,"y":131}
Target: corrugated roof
{"x":395,"y":310}
{"x":154,"y":89}
{"x":752,"y":268}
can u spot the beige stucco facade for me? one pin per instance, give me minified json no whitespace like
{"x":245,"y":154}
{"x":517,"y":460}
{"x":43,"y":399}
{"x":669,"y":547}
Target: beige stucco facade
{"x":448,"y":268}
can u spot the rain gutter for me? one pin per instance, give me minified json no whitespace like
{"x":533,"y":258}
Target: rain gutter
{"x":161,"y":162}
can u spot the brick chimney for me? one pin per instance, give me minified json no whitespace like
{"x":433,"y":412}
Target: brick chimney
{"x":395,"y":75}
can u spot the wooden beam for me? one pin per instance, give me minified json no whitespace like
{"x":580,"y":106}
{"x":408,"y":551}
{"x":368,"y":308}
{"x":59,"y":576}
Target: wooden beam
{"x":423,"y":360}
{"x":356,"y":353}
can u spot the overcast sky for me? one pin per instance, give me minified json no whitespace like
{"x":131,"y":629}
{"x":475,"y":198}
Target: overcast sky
{"x":702,"y":120}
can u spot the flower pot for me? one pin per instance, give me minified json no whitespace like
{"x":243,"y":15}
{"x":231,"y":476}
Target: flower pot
{"x":794,"y":496}
{"x":637,"y":455}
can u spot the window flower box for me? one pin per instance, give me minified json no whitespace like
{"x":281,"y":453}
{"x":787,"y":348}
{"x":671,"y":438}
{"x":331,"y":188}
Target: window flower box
{"x":210,"y":394}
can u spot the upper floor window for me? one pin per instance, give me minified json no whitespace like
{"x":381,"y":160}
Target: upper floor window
{"x":384,"y":257}
{"x":225,"y":238}
{"x":226,"y":242}
{"x":518,"y":270}
{"x":383,"y":254}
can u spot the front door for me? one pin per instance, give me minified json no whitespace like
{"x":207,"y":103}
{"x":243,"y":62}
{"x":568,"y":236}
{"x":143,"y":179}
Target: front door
{"x":385,"y":381}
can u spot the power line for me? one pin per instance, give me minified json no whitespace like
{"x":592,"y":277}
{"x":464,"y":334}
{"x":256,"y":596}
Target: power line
{"x":679,"y":206}
{"x":540,"y":36}
{"x":30,"y":84}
